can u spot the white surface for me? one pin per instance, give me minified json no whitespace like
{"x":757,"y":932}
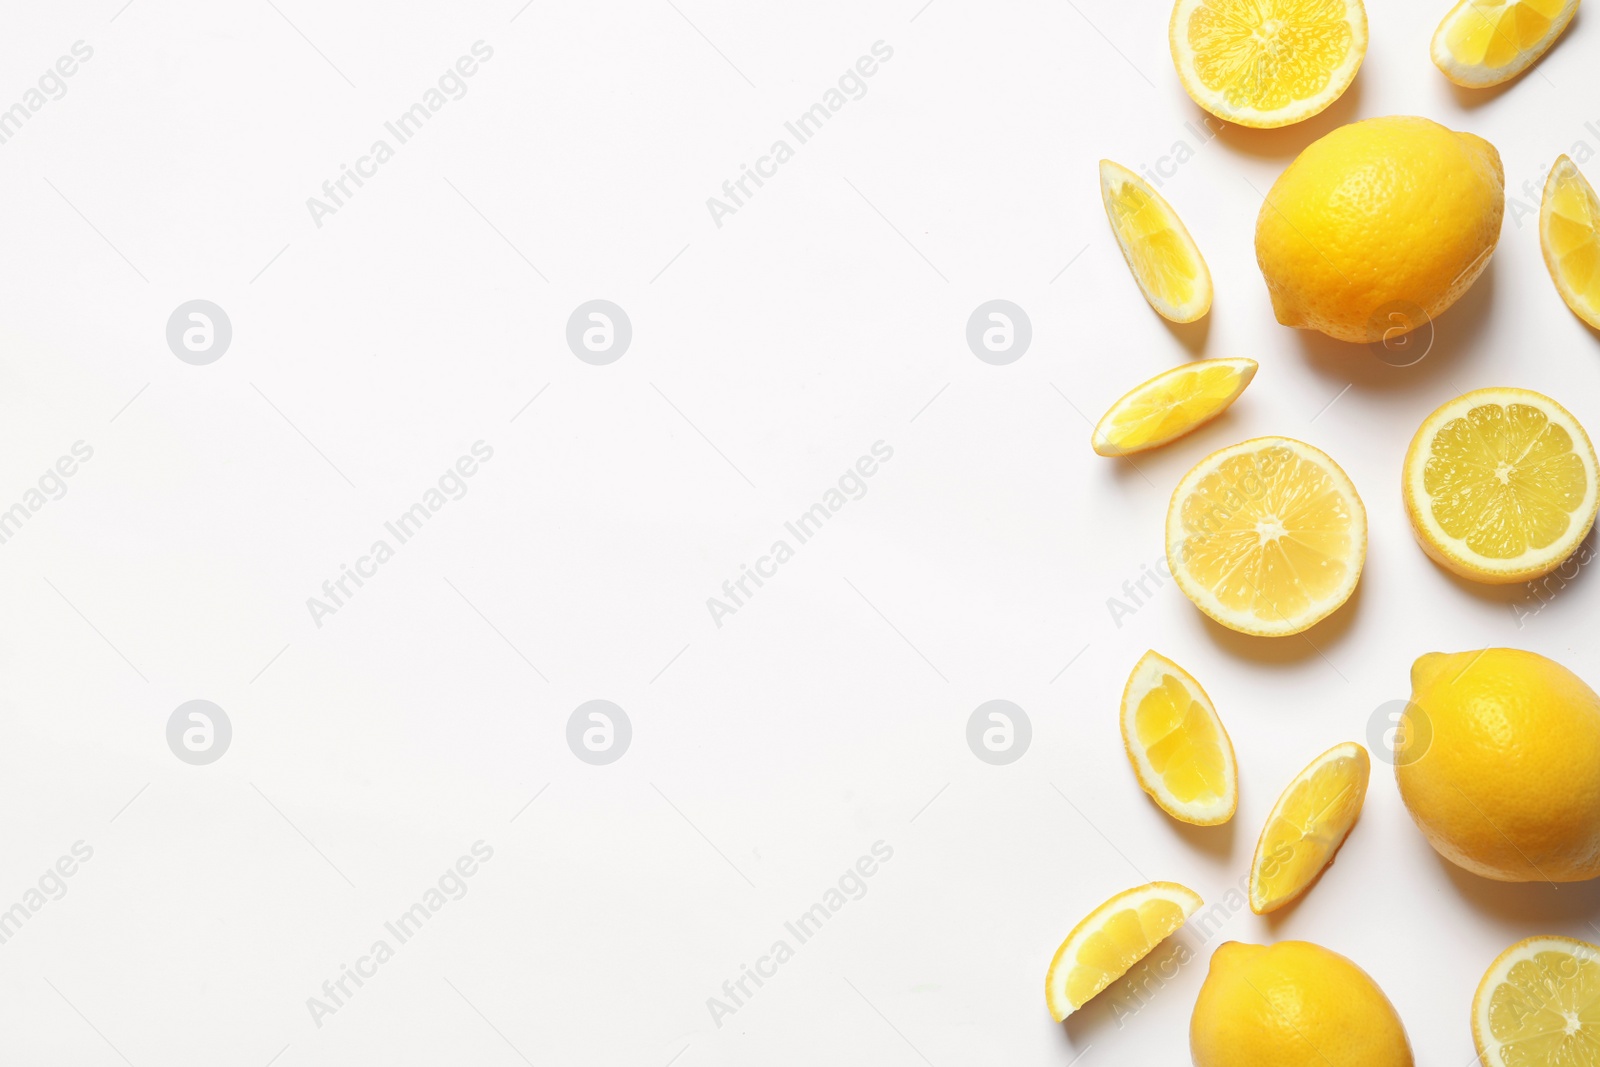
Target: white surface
{"x":794,"y":337}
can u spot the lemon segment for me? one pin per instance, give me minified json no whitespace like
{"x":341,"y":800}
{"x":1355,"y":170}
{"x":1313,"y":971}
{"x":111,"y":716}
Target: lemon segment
{"x":1268,"y":537}
{"x":1180,"y":751}
{"x":1114,"y":937}
{"x":1569,"y":235}
{"x":1539,"y":1005}
{"x":1162,"y":256}
{"x":1267,"y":63}
{"x":1309,"y":822}
{"x":1486,"y":42}
{"x":1171,"y":404}
{"x":1500,"y":485}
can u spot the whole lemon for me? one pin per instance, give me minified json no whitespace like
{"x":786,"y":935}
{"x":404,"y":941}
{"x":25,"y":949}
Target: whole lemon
{"x":1501,"y":764}
{"x":1379,"y":226}
{"x":1293,"y":1004}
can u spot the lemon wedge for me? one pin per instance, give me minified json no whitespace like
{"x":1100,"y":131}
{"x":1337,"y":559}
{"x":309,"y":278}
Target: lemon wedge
{"x":1171,"y":404}
{"x":1309,"y":822}
{"x":1569,"y":234}
{"x":1114,"y":937}
{"x":1539,"y":1005}
{"x":1163,"y":257}
{"x":1179,"y":749}
{"x":1486,"y":42}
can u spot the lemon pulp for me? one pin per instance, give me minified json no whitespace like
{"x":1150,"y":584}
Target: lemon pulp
{"x":1181,"y":743}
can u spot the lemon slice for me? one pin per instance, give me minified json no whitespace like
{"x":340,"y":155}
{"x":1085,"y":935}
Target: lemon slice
{"x":1115,"y":936}
{"x":1309,"y":822}
{"x":1500,"y":485}
{"x":1268,"y":537}
{"x":1539,"y":1005}
{"x":1569,"y":217}
{"x":1179,"y":750}
{"x":1486,"y":42}
{"x":1163,"y":257}
{"x":1267,"y":63}
{"x":1171,"y":404}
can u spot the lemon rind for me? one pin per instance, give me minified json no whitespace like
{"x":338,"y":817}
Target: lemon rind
{"x":1495,"y":975}
{"x":1478,"y":76}
{"x":1574,"y":301}
{"x":1055,"y":993}
{"x":1344,"y":750}
{"x":1146,"y":674}
{"x":1100,"y":439}
{"x":1198,"y":307}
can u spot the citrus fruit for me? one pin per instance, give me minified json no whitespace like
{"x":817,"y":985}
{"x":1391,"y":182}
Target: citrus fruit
{"x":1500,"y":485}
{"x":1293,"y":1004}
{"x":1382,"y":221}
{"x":1507,"y":783}
{"x":1309,"y":822}
{"x":1267,"y":62}
{"x":1179,"y":750}
{"x":1486,"y":42}
{"x":1114,"y":937}
{"x":1267,"y":537}
{"x":1171,"y":404}
{"x":1539,"y":1005}
{"x":1163,"y":257}
{"x":1569,"y":218}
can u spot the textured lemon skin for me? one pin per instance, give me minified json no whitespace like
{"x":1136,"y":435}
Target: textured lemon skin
{"x":1293,"y":1004}
{"x":1382,"y":222}
{"x":1509,"y":784}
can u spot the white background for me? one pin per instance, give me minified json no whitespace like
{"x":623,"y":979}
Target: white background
{"x":768,"y":354}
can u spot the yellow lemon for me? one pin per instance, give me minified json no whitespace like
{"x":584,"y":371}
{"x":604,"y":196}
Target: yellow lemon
{"x":1267,"y":63}
{"x":1486,"y":42}
{"x":1114,"y":937}
{"x":1539,"y":1005}
{"x":1379,"y":224}
{"x":1164,"y":259}
{"x":1293,"y":1004}
{"x":1171,"y":404}
{"x":1569,"y":235}
{"x":1311,"y":819}
{"x":1506,"y":781}
{"x":1268,"y":537}
{"x":1180,"y":752}
{"x":1501,"y":485}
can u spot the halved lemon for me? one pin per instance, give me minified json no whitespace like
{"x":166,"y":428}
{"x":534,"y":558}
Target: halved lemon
{"x":1114,"y":937}
{"x":1569,"y":234}
{"x":1309,"y":822}
{"x":1179,"y":750}
{"x":1500,"y":485}
{"x":1163,"y":257}
{"x":1539,"y":1005}
{"x":1267,"y":63}
{"x":1171,"y":404}
{"x":1486,"y":42}
{"x":1268,"y":537}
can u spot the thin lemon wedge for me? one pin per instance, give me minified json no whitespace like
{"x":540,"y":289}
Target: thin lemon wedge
{"x":1569,"y":234}
{"x":1268,"y":537}
{"x":1114,"y":937}
{"x":1500,"y":485}
{"x":1180,"y":751}
{"x":1164,"y":259}
{"x":1539,"y":1005}
{"x":1309,"y":822}
{"x":1267,"y":63}
{"x":1171,"y":404}
{"x":1486,"y":42}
